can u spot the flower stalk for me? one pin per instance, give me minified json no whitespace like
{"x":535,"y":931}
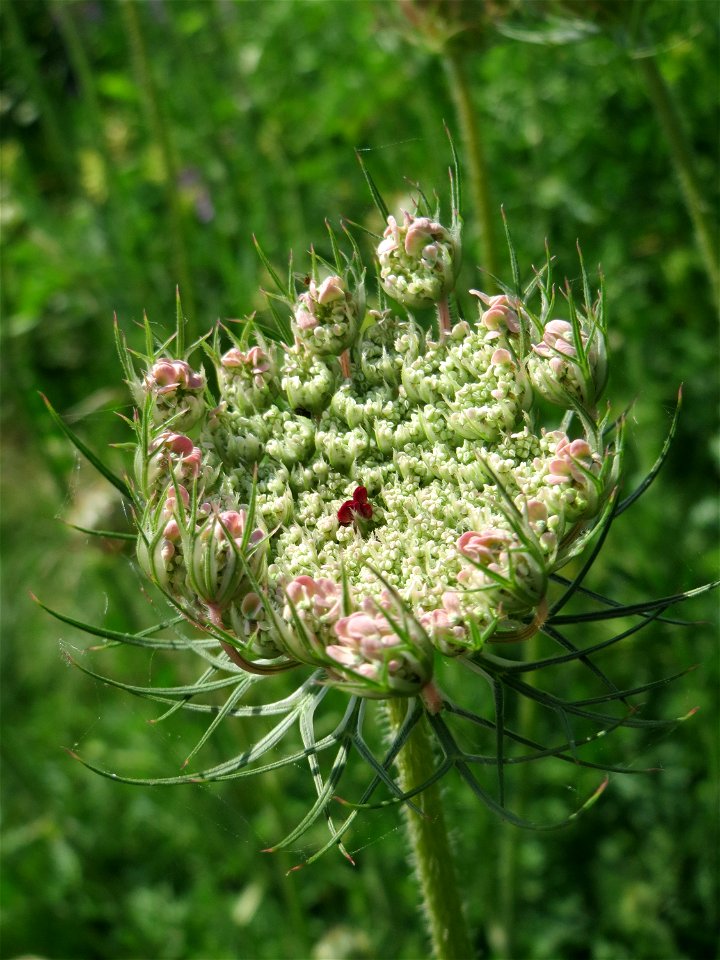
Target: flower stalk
{"x":430,"y":844}
{"x":668,"y":117}
{"x":474,"y":155}
{"x":365,"y":502}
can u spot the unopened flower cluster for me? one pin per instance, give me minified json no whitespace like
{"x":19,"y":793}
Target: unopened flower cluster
{"x":376,"y":493}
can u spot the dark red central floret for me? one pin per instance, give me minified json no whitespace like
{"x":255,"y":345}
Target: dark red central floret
{"x":357,"y":507}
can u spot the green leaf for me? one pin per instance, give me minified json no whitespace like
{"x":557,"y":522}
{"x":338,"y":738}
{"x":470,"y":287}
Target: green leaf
{"x":103,"y":534}
{"x":634,"y":609}
{"x":141,"y":639}
{"x":376,"y":195}
{"x":286,"y":291}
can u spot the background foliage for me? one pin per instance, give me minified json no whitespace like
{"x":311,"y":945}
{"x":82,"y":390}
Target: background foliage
{"x":143,"y":143}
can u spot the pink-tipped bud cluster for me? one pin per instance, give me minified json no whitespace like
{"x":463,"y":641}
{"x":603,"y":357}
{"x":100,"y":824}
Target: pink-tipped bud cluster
{"x":255,"y":363}
{"x":557,"y":343}
{"x":220,"y":555}
{"x":538,"y":516}
{"x":311,"y":609}
{"x":484,"y":548}
{"x":317,"y":600}
{"x":253,"y":627}
{"x":575,"y":477}
{"x":419,"y":260}
{"x":169,"y":376}
{"x":170,"y":506}
{"x":365,"y":642}
{"x":176,"y":390}
{"x":369,"y":647}
{"x":363,"y":651}
{"x":177,"y":454}
{"x":569,"y":364}
{"x":446,"y":626}
{"x":572,"y":463}
{"x":328,"y":315}
{"x":231,"y":525}
{"x":159,"y":548}
{"x":204,"y":557}
{"x":504,"y":568}
{"x":246,"y":378}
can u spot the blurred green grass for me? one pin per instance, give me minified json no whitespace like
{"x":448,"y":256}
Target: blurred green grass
{"x":142,"y":145}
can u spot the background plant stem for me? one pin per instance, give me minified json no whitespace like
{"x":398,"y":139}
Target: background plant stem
{"x":430,"y":844}
{"x":160,"y":130}
{"x":668,"y":116}
{"x":473,"y":154}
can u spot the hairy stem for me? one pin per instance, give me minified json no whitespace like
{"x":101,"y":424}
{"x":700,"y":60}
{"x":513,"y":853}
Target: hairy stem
{"x":444,"y":318}
{"x":474,"y":157}
{"x":668,"y":117}
{"x":430,"y":843}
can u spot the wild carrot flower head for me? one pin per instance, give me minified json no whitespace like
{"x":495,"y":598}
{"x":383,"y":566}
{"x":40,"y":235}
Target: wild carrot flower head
{"x":373,"y":503}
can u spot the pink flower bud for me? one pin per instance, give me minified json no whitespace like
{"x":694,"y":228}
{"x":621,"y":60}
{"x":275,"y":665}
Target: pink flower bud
{"x":171,"y":530}
{"x":502,"y":357}
{"x":166,"y":376}
{"x":303,"y":318}
{"x":537,"y":511}
{"x":258,"y":360}
{"x":387,"y":245}
{"x":502,"y":312}
{"x":341,"y":655}
{"x":430,"y":253}
{"x":176,"y":443}
{"x":167,"y":551}
{"x":182,"y":453}
{"x":483,"y":548}
{"x":171,"y":500}
{"x":252,"y":607}
{"x":231,"y":522}
{"x":419,"y":232}
{"x":573,"y":458}
{"x":445,"y":625}
{"x":357,"y":626}
{"x":323,"y":597}
{"x":332,"y":288}
{"x":255,"y":361}
{"x":557,"y":338}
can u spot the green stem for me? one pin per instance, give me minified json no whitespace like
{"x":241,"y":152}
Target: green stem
{"x":668,"y":116}
{"x":474,"y":157}
{"x":430,"y":843}
{"x":160,"y":129}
